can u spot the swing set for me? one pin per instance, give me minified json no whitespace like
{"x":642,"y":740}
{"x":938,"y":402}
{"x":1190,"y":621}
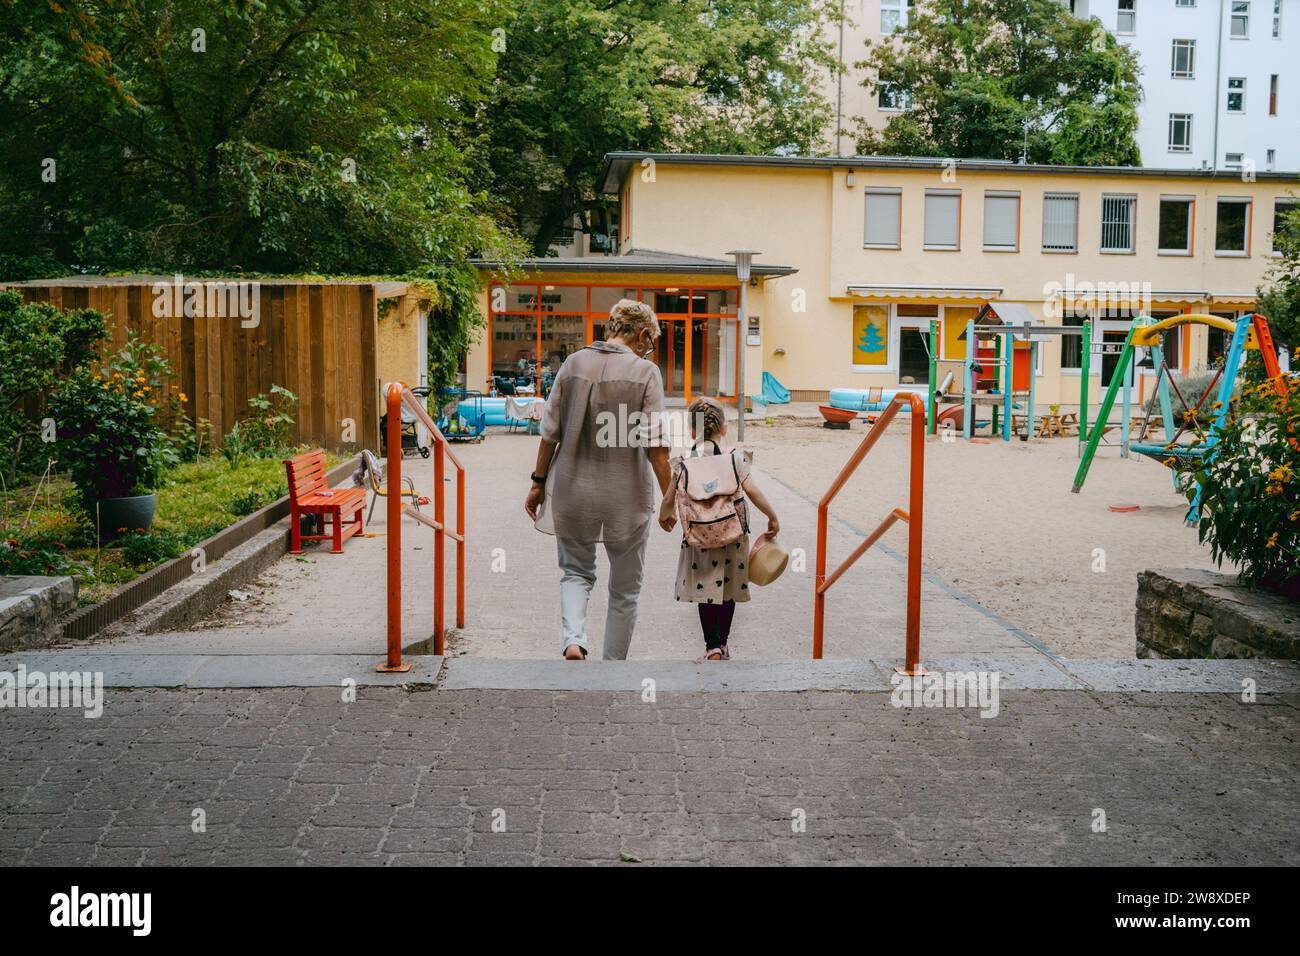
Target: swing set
{"x":1248,"y":332}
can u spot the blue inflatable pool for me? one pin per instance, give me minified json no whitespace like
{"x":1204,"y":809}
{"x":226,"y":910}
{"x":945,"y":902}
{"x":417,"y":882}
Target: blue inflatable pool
{"x":855,"y":399}
{"x":494,"y":410}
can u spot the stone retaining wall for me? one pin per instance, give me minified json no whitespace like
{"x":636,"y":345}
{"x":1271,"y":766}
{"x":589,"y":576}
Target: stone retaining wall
{"x":1186,"y":613}
{"x":30,"y":609}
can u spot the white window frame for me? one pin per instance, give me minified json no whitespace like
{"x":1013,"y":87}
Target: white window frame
{"x":1230,"y":162}
{"x":1190,"y":202}
{"x":1227,"y":104}
{"x":900,"y":10}
{"x":1246,"y":201}
{"x":1181,"y":44}
{"x":866,"y":205}
{"x":900,"y":100}
{"x":1185,"y":119}
{"x":1131,"y":199}
{"x":1186,"y":4}
{"x":1277,"y":19}
{"x":1072,"y":198}
{"x":1239,"y":11}
{"x":1121,"y":13}
{"x":955,"y":245}
{"x":1001,"y":194}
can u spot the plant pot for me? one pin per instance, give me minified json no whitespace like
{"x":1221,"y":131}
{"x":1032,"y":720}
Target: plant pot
{"x":1277,"y":583}
{"x":132,"y":513}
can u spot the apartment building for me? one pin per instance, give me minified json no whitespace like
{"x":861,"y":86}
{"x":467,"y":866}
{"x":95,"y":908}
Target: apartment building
{"x":1218,"y":92}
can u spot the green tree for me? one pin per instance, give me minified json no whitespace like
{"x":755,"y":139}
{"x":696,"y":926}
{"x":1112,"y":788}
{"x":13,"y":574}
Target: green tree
{"x":580,"y":78}
{"x":1279,"y":296}
{"x":276,"y":136}
{"x":979,"y":72}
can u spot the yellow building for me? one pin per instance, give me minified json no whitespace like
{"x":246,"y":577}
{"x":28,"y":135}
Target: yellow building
{"x":872,"y":249}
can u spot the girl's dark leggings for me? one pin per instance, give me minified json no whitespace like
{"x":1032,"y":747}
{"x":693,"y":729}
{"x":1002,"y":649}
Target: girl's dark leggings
{"x":715,"y":620}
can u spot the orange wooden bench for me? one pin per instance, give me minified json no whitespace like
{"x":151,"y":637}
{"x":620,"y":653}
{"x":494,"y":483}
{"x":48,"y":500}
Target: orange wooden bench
{"x":309,"y":494}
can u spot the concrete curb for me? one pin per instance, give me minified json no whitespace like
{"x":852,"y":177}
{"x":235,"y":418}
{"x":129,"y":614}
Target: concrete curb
{"x":210,"y":671}
{"x":676,"y":677}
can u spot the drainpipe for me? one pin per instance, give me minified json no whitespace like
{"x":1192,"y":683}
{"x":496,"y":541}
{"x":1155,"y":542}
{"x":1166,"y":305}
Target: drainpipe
{"x":1218,"y":80}
{"x":839,"y":88}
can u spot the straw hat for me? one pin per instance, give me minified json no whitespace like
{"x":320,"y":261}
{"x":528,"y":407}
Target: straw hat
{"x":767,"y":560}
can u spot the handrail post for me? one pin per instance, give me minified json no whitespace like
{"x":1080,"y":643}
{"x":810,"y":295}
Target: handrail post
{"x":439,"y":469}
{"x":460,"y":547}
{"x":819,"y":596}
{"x":393,"y":503}
{"x":915,"y":513}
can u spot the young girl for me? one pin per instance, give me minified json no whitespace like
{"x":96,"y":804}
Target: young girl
{"x":715,"y":578}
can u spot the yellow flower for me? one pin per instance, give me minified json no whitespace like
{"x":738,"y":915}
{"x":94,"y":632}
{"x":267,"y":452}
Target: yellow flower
{"x":183,"y":398}
{"x":1272,"y":541}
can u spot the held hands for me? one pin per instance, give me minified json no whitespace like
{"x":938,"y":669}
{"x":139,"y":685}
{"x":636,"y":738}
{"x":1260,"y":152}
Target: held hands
{"x":773,"y":527}
{"x":536,"y":495}
{"x":667,"y":521}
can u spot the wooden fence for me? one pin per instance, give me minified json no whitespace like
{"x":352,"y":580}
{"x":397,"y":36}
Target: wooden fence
{"x":317,"y":339}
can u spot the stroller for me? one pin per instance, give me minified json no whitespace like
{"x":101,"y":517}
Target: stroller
{"x":410,"y":433}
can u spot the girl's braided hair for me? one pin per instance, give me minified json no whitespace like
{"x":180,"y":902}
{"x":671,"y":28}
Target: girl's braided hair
{"x":707,"y":417}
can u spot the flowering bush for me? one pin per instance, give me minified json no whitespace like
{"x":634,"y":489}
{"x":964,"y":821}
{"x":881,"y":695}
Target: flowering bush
{"x":110,"y":437}
{"x":1250,"y":506}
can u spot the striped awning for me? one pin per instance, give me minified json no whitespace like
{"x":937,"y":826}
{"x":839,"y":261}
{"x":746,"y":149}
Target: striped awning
{"x":869,"y":290}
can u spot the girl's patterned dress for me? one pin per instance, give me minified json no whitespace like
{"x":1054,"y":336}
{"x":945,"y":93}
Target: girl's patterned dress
{"x":717,"y":574}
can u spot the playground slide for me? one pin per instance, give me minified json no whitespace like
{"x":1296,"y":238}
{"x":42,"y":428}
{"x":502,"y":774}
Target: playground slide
{"x":774,"y":393}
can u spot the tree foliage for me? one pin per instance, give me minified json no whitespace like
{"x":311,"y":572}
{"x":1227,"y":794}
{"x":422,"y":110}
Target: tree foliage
{"x":1279,"y":297}
{"x":580,"y":78}
{"x":277,"y":136}
{"x":978,"y":71}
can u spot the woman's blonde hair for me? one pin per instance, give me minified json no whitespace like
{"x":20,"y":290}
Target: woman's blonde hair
{"x":627,"y":318}
{"x":707,"y":417}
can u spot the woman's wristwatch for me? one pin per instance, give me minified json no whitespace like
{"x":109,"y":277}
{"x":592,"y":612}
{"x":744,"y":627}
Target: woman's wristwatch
{"x":538,"y":479}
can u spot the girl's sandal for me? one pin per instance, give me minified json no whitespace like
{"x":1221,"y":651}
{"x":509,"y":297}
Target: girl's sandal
{"x":582,"y":649}
{"x":716,"y":654}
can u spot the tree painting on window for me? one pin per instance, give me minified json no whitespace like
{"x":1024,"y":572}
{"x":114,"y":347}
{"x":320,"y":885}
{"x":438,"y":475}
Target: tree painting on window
{"x":870,"y":335}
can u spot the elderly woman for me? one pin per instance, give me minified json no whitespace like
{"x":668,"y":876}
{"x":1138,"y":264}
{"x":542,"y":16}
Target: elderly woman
{"x":602,"y":451}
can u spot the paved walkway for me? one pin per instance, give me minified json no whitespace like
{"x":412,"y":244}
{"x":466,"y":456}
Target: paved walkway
{"x":336,"y":603}
{"x":296,"y":776}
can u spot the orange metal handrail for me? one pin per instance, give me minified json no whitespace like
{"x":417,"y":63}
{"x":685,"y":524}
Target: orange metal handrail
{"x":399,"y":395}
{"x":913,"y":516}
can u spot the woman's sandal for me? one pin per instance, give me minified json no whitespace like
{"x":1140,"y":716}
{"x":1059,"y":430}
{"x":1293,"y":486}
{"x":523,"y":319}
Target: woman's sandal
{"x":716,"y":654}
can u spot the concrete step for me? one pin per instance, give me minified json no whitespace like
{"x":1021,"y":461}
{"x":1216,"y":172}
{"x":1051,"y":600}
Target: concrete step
{"x":473,"y":673}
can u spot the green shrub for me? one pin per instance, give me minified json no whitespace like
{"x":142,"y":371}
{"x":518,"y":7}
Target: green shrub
{"x":1250,"y":506}
{"x":110,"y":439}
{"x":265,"y":433}
{"x":151,"y":548}
{"x":17,"y":559}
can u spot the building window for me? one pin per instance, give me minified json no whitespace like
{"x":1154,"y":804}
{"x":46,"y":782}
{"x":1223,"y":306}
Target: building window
{"x":1277,"y":19}
{"x":1176,"y":218}
{"x":1180,"y":132}
{"x":893,"y":15}
{"x":1061,"y":222}
{"x":1236,"y":94}
{"x":1126,"y":18}
{"x":892,"y":99}
{"x":1184,"y":3}
{"x":1233,"y":160}
{"x":1282,"y":207}
{"x":884,"y":218}
{"x":1272,"y":95}
{"x":1072,"y":345}
{"x":1001,"y":221}
{"x":1240,"y":22}
{"x":871,"y":335}
{"x":942,"y":218}
{"x":1183,"y":60}
{"x":1232,"y":227}
{"x":1117,"y":223}
{"x":1270,"y":158}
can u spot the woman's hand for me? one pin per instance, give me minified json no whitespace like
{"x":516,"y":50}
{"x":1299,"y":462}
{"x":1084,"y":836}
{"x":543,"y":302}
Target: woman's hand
{"x":773,"y":527}
{"x":667,"y":521}
{"x":536,"y":495}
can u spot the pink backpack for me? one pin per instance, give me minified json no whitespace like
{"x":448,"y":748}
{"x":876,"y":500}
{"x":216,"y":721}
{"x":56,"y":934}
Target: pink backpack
{"x":710,"y":503}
